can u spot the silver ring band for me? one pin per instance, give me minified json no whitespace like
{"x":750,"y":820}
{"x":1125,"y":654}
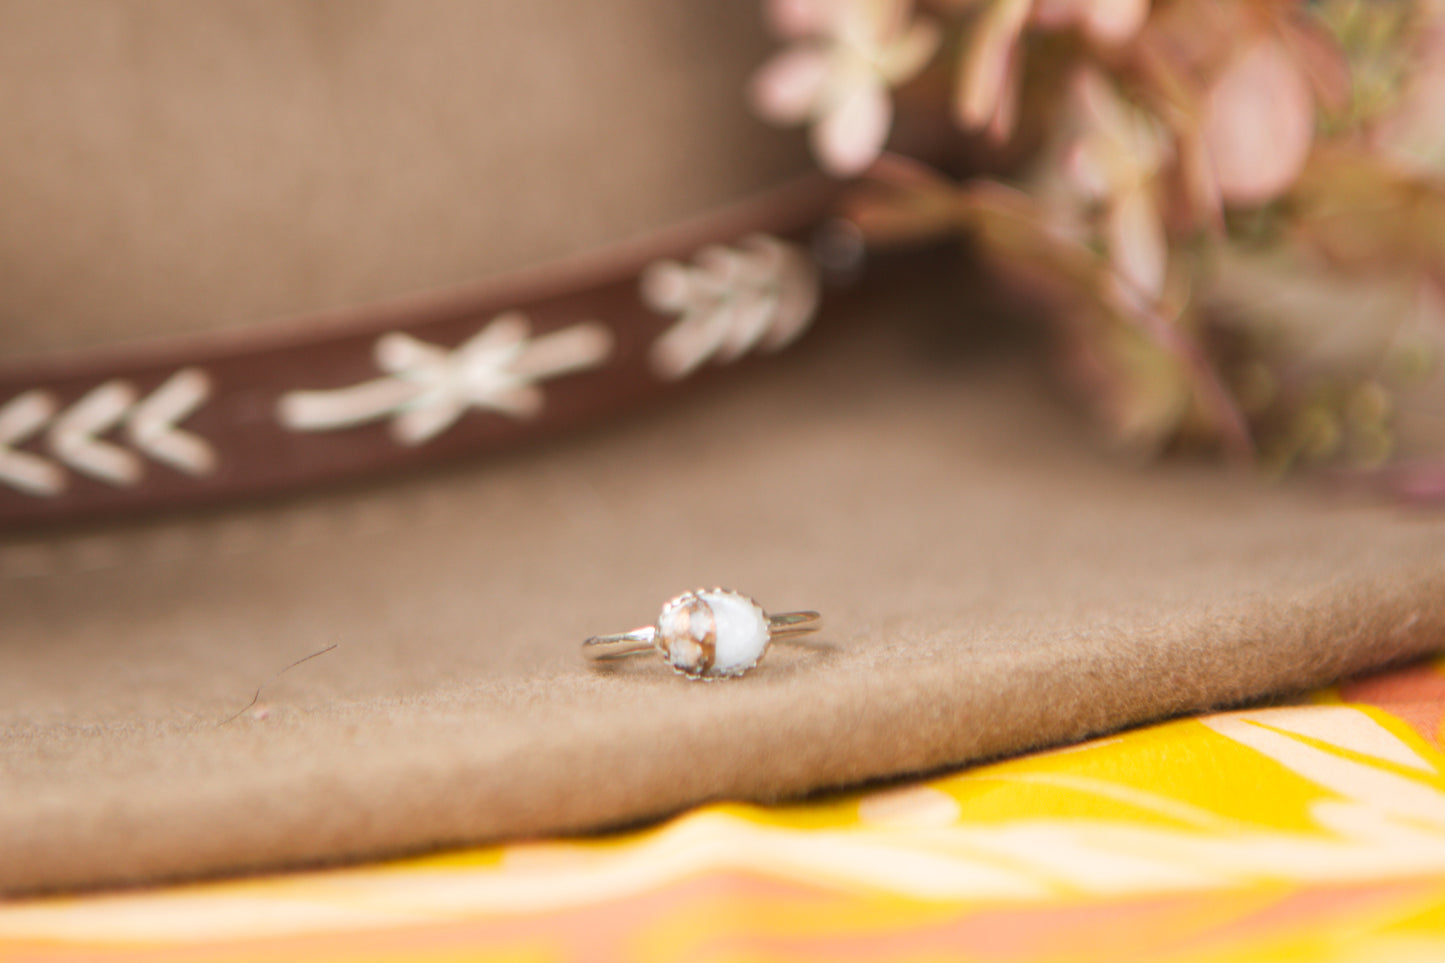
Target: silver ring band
{"x":708,"y":633}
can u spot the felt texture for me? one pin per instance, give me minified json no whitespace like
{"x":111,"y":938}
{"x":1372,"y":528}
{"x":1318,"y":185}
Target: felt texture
{"x":990,"y":581}
{"x":175,"y":166}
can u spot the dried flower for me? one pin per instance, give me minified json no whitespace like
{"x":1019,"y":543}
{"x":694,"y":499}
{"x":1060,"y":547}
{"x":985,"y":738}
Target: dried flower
{"x":837,"y":74}
{"x":1257,"y":142}
{"x":989,"y":71}
{"x":1115,"y":162}
{"x":1230,"y":210}
{"x":1411,"y":131}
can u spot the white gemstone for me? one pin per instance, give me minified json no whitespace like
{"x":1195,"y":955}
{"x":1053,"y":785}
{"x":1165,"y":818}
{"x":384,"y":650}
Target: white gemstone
{"x":742,"y":631}
{"x":713,"y":632}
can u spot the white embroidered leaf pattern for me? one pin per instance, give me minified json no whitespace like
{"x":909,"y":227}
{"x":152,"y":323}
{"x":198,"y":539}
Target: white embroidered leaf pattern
{"x":758,"y":295}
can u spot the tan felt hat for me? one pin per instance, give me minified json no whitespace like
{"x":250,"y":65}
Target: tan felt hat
{"x":989,"y":581}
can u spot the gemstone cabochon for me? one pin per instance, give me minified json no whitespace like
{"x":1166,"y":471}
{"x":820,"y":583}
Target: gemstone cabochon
{"x":712,"y":632}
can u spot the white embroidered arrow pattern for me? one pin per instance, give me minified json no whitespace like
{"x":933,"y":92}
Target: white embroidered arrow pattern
{"x":22,"y":417}
{"x":74,"y":436}
{"x":151,"y":424}
{"x":760,"y":294}
{"x":427,"y":387}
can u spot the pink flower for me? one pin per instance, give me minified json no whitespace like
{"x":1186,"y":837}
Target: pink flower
{"x":1412,"y":131}
{"x":836,"y":75}
{"x":1115,"y":163}
{"x":1106,"y":23}
{"x":988,"y":78}
{"x":1259,"y":124}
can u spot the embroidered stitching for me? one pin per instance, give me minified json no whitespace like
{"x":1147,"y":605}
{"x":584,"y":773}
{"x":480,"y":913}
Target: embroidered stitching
{"x":758,"y":295}
{"x":427,"y":387}
{"x":74,"y":436}
{"x":23,"y":416}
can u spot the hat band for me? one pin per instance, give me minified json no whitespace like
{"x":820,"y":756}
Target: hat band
{"x":410,"y":382}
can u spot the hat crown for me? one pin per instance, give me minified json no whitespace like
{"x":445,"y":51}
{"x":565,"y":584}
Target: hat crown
{"x":176,"y":168}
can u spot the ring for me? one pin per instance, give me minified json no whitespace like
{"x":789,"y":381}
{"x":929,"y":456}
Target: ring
{"x":707,"y":634}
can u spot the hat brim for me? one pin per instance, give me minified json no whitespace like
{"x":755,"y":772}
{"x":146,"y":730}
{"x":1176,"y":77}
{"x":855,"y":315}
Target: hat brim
{"x":990,"y":583}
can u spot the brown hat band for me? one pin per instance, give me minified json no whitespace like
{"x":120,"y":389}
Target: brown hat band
{"x":409,"y":382}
